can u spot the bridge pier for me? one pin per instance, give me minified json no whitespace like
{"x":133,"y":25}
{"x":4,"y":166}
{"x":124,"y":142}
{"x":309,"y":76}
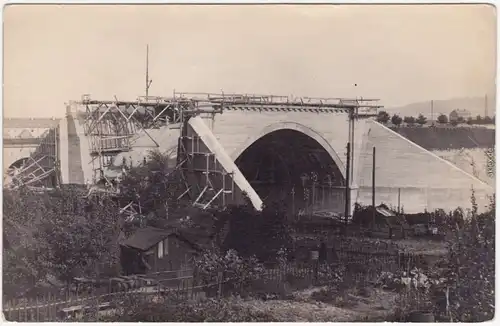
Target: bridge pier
{"x":64,"y":157}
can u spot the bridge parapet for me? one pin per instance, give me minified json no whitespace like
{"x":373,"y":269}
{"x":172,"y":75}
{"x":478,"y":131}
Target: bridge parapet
{"x":243,"y":101}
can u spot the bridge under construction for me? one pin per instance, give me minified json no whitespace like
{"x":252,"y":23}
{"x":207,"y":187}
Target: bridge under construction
{"x":314,"y":153}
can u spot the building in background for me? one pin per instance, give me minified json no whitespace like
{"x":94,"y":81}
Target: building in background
{"x":459,"y":115}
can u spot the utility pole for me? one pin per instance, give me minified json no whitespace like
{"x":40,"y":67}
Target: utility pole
{"x":432,"y":111}
{"x":148,"y":81}
{"x":347,"y":186}
{"x":373,"y":186}
{"x":353,"y":116}
{"x":399,"y":200}
{"x":485,"y":105}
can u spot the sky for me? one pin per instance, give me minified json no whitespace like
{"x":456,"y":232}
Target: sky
{"x":397,"y":53}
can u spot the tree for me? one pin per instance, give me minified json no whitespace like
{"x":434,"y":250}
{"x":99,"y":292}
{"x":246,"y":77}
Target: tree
{"x":470,"y":121}
{"x":487,"y":120}
{"x":443,"y":119}
{"x":383,"y":117}
{"x":73,"y":245}
{"x":479,"y":120}
{"x":421,"y":120}
{"x":396,"y":120}
{"x":409,"y":120}
{"x":471,"y":267}
{"x":249,"y":229}
{"x":22,"y":212}
{"x":151,"y":184}
{"x":60,"y":234}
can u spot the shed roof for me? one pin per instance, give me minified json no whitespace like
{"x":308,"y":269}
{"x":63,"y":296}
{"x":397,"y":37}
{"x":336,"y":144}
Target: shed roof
{"x":145,"y":238}
{"x":385,"y":211}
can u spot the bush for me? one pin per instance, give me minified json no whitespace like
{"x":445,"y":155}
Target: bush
{"x":59,"y":234}
{"x":250,"y":229}
{"x":443,"y":119}
{"x":471,"y":267}
{"x":139,"y":310}
{"x":396,"y":120}
{"x":409,"y":120}
{"x":151,"y":184}
{"x":421,"y":120}
{"x":237,"y":273}
{"x":383,"y":117}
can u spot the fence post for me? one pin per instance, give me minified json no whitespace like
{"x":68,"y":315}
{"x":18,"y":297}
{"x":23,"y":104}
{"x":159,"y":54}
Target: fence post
{"x":48,"y":305}
{"x":46,"y":314}
{"x":7,"y":310}
{"x":37,"y":309}
{"x":25,"y":309}
{"x":219,"y":281}
{"x":97,"y":306}
{"x":185,"y":285}
{"x":31,"y":309}
{"x":18,"y":311}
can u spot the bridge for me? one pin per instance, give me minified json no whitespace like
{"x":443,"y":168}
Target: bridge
{"x":30,"y":147}
{"x":302,"y":151}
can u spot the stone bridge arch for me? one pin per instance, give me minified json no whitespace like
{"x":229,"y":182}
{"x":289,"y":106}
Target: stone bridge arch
{"x":290,"y":162}
{"x":296,"y":127}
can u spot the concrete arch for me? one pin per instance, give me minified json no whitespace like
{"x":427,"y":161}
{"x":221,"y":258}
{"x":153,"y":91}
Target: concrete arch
{"x":291,"y":126}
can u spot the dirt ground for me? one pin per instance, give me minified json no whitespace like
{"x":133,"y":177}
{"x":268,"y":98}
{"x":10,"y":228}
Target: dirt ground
{"x":304,"y":309}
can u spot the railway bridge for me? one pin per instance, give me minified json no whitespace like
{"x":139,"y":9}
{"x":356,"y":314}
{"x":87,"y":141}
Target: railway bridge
{"x":291,"y":149}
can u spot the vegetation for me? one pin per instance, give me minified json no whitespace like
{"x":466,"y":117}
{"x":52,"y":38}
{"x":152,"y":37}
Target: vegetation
{"x":63,"y":235}
{"x":471,"y":267}
{"x":383,"y":117}
{"x":59,"y":234}
{"x":396,"y":120}
{"x":238,"y":272}
{"x":153,"y":185}
{"x":421,"y":120}
{"x":409,"y":120}
{"x":174,"y":309}
{"x":442,"y":118}
{"x":249,"y":229}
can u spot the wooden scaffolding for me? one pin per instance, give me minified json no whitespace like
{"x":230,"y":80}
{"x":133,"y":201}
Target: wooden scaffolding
{"x":111,"y":126}
{"x":41,"y":168}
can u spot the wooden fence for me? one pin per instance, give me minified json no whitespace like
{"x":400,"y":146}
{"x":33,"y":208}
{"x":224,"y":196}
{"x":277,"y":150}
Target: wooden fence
{"x":50,"y":307}
{"x":362,"y":268}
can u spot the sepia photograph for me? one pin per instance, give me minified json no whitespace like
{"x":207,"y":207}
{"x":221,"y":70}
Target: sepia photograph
{"x":249,"y":162}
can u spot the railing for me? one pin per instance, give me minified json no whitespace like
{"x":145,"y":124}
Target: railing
{"x":243,"y":99}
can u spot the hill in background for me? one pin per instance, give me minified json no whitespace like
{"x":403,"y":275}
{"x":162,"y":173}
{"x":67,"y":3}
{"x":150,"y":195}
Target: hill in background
{"x":475,"y":105}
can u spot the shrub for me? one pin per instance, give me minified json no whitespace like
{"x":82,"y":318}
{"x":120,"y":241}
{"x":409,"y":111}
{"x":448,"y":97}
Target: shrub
{"x":151,"y":184}
{"x":396,"y":120}
{"x":409,"y":120}
{"x":136,"y":309}
{"x":56,"y":234}
{"x":237,"y":273}
{"x":421,"y":120}
{"x":249,"y":229}
{"x":443,"y":119}
{"x":383,"y":117}
{"x":471,"y":267}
